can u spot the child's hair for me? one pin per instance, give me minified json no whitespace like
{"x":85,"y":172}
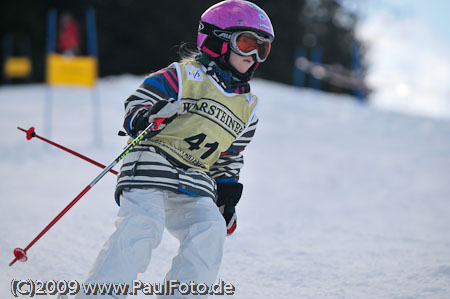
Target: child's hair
{"x":187,"y":52}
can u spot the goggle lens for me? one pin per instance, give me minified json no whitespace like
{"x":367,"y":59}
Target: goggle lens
{"x":247,"y":42}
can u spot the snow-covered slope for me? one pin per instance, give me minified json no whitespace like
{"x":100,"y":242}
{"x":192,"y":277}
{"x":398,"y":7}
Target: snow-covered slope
{"x":340,"y":200}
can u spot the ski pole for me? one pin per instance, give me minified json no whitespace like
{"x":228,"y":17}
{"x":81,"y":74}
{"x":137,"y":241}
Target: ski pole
{"x":30,"y":133}
{"x":21,"y":254}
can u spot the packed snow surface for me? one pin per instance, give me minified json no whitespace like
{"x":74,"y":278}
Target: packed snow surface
{"x":341,"y":200}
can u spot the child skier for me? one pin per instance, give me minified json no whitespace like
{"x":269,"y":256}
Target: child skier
{"x":185,"y":178}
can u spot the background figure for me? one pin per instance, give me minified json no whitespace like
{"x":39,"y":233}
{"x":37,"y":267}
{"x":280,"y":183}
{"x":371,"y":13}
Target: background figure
{"x":69,"y":35}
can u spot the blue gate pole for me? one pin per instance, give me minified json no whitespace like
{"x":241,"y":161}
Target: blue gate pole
{"x":316,"y":57}
{"x":95,"y":95}
{"x":299,"y":74}
{"x":356,"y":63}
{"x":51,"y":31}
{"x":91,"y":32}
{"x":51,"y":39}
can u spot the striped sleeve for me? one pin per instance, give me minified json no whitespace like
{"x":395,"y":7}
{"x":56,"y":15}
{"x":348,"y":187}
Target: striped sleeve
{"x":158,"y":86}
{"x":228,"y":166}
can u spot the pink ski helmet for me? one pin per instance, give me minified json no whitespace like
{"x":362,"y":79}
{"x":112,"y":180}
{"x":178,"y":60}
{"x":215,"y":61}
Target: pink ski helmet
{"x":218,"y":21}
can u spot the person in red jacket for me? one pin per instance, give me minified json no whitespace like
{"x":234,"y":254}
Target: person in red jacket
{"x":69,"y":35}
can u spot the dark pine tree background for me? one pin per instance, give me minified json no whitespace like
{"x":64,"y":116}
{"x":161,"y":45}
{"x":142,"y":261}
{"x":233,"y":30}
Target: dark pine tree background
{"x":141,"y":36}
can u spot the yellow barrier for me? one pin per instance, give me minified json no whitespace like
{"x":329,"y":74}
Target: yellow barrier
{"x":81,"y":70}
{"x":17,"y":67}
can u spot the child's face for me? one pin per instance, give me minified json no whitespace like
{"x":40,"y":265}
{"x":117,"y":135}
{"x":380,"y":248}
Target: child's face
{"x":241,"y":63}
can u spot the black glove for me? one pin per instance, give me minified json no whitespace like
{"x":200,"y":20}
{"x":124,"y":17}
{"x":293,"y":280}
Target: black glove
{"x":167,"y":109}
{"x":228,"y":195}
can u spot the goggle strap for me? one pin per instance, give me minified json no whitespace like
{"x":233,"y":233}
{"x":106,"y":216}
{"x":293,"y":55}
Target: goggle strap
{"x":206,"y":28}
{"x":214,"y":31}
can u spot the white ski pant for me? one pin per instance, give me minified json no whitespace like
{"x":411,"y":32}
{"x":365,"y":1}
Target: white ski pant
{"x":195,"y":221}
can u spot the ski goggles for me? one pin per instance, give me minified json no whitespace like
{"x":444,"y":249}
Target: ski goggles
{"x":247,"y":43}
